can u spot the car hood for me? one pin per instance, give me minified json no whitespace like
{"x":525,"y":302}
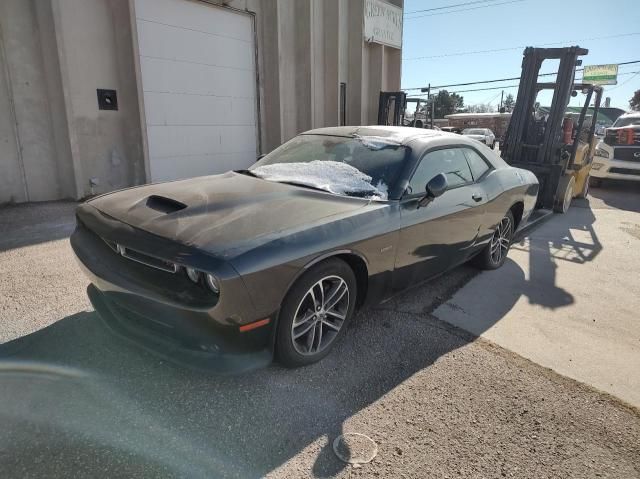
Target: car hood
{"x":215,"y":213}
{"x":475,"y":137}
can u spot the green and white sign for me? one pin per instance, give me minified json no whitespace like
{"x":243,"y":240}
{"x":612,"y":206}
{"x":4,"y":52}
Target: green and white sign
{"x":600,"y":74}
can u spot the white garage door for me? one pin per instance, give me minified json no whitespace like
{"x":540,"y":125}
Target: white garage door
{"x":199,"y":83}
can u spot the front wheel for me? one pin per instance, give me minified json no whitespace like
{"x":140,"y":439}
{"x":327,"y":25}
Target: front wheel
{"x":315,"y":313}
{"x":564,"y":194}
{"x":495,"y":253}
{"x":584,"y":193}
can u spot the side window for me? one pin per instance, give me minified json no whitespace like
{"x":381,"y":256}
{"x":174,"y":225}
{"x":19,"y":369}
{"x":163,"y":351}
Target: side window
{"x":478,"y":165}
{"x":450,"y":161}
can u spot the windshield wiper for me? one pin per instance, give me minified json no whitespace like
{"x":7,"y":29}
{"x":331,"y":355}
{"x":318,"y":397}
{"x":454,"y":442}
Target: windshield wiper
{"x":247,"y":172}
{"x":305,"y":185}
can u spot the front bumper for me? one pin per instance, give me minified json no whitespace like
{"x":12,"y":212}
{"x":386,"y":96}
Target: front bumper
{"x":190,"y":344}
{"x":164,"y":312}
{"x":615,"y":169}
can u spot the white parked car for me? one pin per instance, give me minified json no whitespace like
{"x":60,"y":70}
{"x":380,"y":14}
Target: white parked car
{"x":483,"y":135}
{"x":617,"y":155}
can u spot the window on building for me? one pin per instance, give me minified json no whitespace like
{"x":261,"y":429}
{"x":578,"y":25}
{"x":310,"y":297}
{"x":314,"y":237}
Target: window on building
{"x":343,"y":104}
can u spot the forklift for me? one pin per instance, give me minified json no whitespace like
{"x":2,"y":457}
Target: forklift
{"x":557,"y":147}
{"x":395,"y":108}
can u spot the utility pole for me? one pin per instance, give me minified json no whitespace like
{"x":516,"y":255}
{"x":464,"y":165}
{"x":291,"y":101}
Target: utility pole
{"x":429,"y":103}
{"x":433,"y":104}
{"x":501,"y":97}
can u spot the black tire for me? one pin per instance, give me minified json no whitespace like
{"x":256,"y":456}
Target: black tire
{"x":564,"y":194}
{"x":584,"y":193}
{"x":289,"y":351}
{"x":487,"y":259}
{"x":419,"y":124}
{"x":596,"y":182}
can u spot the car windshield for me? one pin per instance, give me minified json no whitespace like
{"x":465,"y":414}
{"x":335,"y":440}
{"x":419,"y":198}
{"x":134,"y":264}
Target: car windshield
{"x":473,"y":131}
{"x":361,"y":166}
{"x":628,"y":121}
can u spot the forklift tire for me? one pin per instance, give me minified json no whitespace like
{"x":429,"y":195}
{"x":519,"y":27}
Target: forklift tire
{"x":564,"y":194}
{"x":585,"y":189}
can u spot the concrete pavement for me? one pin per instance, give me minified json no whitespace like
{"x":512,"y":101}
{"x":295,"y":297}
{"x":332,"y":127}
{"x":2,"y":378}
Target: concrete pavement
{"x":568,"y":297}
{"x":77,"y":401}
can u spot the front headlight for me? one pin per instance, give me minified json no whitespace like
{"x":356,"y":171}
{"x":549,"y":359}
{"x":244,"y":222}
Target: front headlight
{"x":602,"y":153}
{"x":193,"y":274}
{"x":596,"y":166}
{"x":213,"y":283}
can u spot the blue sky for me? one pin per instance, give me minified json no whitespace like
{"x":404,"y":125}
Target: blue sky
{"x":514,"y":24}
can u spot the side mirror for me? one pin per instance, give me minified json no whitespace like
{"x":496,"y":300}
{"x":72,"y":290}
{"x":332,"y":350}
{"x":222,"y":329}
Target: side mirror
{"x":435,"y":187}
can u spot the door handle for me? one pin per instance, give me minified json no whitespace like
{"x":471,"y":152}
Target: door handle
{"x":476,"y":197}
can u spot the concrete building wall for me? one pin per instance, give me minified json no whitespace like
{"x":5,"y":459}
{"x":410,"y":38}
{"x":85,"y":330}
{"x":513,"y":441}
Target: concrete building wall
{"x":56,"y":143}
{"x":12,"y":184}
{"x":39,"y":168}
{"x":96,"y":52}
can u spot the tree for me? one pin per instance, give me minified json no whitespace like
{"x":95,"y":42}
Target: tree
{"x":509,"y":103}
{"x":446,"y":103}
{"x":634,"y":103}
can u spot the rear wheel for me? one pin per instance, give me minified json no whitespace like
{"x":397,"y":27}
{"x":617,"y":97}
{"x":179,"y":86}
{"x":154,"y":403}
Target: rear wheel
{"x":315,"y":313}
{"x":495,"y":253}
{"x":564,"y":194}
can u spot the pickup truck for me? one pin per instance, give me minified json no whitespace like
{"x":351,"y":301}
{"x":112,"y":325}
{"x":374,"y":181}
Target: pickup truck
{"x":617,"y":155}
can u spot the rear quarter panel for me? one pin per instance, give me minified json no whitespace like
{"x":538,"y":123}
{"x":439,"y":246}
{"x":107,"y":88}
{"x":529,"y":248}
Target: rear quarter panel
{"x":505,"y":187}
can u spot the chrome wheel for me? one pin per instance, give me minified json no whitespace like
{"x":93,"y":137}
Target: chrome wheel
{"x":501,"y":240}
{"x":320,"y":315}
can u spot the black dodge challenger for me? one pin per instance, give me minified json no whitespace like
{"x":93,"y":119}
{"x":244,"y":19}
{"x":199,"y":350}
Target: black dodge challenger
{"x":276,"y":259}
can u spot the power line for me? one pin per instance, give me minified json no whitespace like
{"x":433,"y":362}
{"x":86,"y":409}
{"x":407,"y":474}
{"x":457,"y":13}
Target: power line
{"x":463,"y":9}
{"x":502,"y":79}
{"x":626,"y":81}
{"x":449,"y":6}
{"x":496,"y":50}
{"x":506,"y":87}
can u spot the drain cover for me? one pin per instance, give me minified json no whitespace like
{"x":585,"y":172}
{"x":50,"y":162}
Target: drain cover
{"x":355,"y":448}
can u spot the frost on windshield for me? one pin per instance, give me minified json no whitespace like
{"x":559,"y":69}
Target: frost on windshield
{"x":332,"y":176}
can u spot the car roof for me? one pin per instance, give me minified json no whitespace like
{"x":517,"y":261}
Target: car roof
{"x":398,"y":134}
{"x":421,"y":139}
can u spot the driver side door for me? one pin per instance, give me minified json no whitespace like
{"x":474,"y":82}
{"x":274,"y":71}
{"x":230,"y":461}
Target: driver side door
{"x":442,"y":234}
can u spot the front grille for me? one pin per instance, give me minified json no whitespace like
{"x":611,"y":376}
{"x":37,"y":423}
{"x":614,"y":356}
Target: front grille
{"x":142,"y":258}
{"x":622,"y":136}
{"x":626,"y":154}
{"x":625,"y":171}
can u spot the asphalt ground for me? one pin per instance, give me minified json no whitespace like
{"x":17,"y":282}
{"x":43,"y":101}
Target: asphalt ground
{"x":77,"y":401}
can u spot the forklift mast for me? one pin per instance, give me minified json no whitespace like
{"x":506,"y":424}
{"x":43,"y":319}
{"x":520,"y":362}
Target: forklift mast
{"x":536,"y":143}
{"x":391,"y":108}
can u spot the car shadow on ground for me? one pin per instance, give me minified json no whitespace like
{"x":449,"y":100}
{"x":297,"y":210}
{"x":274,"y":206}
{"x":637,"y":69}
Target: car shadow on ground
{"x":91,"y":398}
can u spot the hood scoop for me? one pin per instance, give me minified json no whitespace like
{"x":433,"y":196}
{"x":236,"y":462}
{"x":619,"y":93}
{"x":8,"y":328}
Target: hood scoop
{"x":164,"y":205}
